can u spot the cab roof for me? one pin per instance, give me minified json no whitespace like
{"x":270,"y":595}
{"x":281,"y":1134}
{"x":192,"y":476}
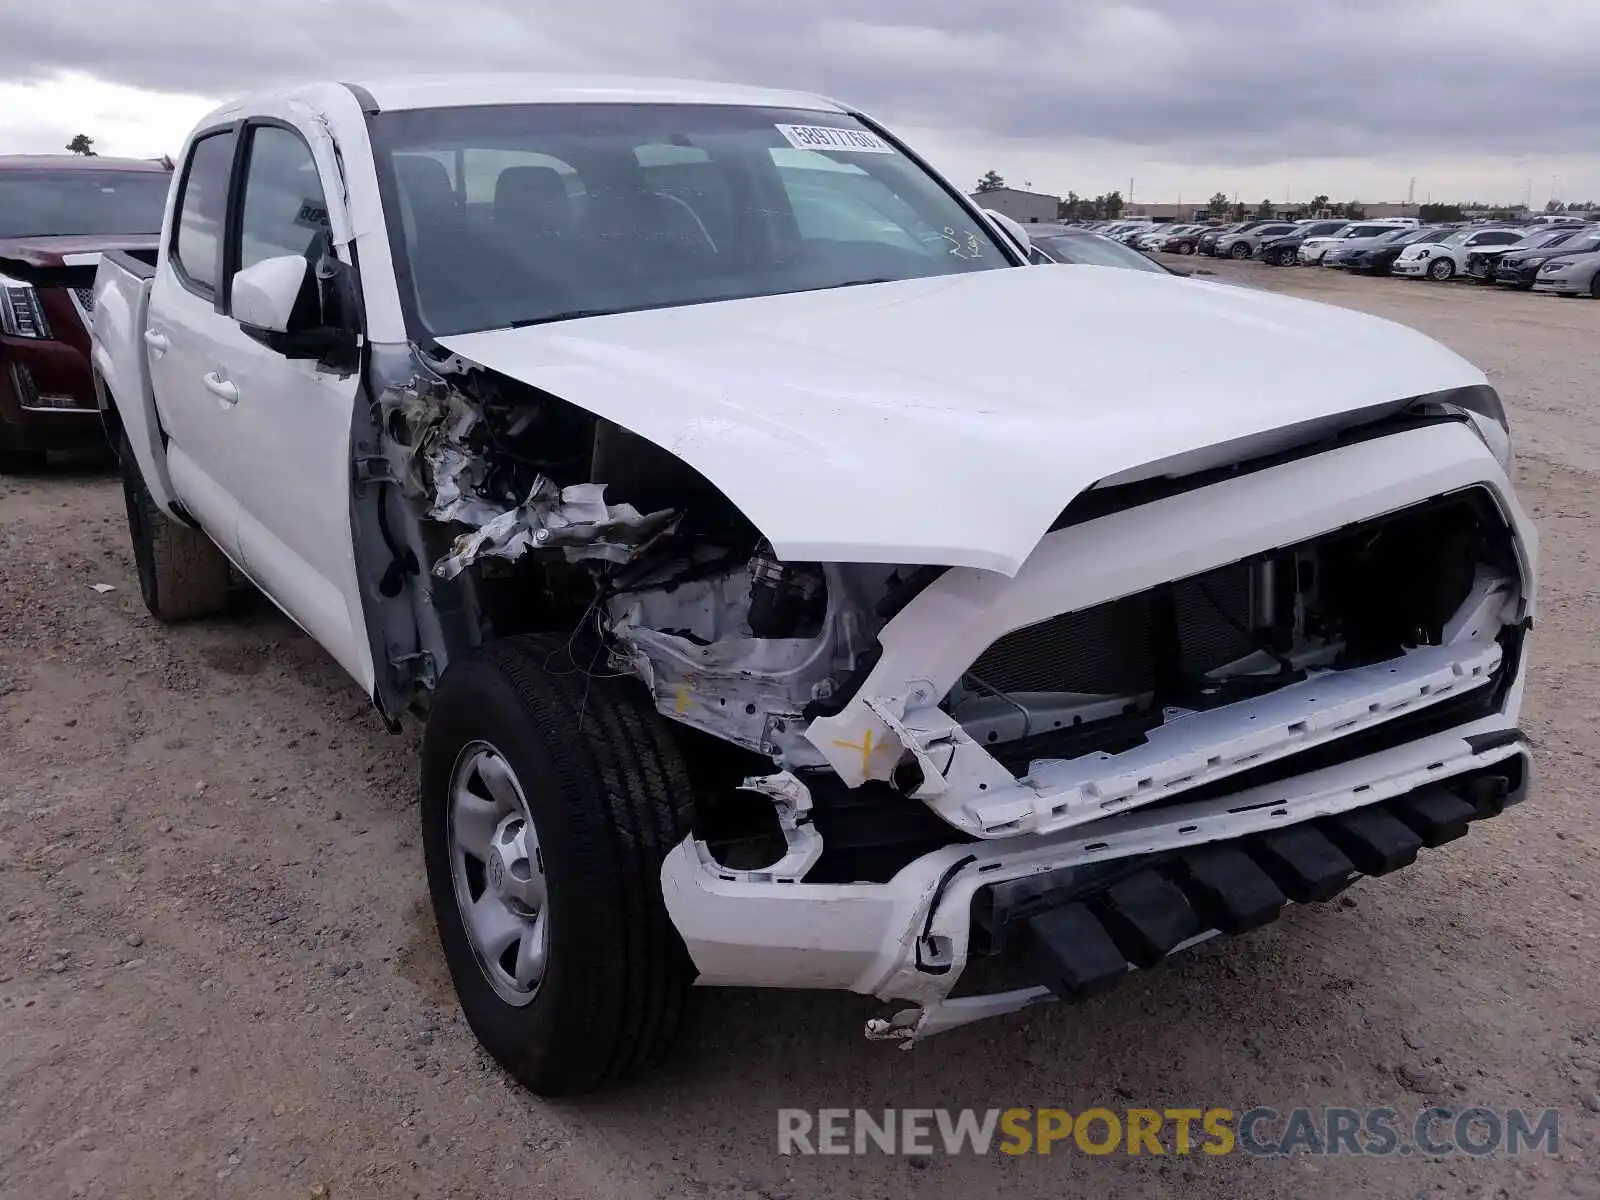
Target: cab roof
{"x":458,"y":91}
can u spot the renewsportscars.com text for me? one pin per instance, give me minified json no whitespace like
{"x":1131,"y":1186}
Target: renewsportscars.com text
{"x":1435,"y":1132}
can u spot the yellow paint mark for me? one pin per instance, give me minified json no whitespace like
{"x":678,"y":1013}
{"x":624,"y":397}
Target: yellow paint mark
{"x":865,"y":746}
{"x":680,"y":703}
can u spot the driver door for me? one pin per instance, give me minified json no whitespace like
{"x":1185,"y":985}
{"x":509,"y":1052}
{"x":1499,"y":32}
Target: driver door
{"x":291,"y":416}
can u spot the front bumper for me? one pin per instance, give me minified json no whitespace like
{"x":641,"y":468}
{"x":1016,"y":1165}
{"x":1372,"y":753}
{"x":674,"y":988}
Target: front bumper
{"x":1559,"y":286}
{"x":1411,"y":268}
{"x":910,"y":939}
{"x":1516,"y":276}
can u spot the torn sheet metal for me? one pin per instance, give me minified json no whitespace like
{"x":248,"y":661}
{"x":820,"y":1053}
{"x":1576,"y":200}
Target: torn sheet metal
{"x":693,"y":648}
{"x":575,"y":519}
{"x":791,"y":802}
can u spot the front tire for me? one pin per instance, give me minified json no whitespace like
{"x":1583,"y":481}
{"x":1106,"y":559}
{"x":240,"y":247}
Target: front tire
{"x":1240,"y":250}
{"x":572,"y":782}
{"x":1441,"y":269}
{"x":182,"y":574}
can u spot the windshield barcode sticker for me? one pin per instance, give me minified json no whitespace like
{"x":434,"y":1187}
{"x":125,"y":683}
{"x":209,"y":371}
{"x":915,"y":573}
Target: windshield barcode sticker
{"x":827,"y":137}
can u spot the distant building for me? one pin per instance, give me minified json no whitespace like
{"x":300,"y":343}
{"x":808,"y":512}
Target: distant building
{"x":1025,"y":207}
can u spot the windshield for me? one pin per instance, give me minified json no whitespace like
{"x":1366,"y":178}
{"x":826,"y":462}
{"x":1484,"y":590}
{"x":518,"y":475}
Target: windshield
{"x":1413,"y":236}
{"x":79,"y":202}
{"x":1091,"y":250}
{"x":521,"y":214}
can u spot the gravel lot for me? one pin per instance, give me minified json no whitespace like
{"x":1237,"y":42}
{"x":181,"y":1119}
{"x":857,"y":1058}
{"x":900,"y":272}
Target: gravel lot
{"x":218,"y":976}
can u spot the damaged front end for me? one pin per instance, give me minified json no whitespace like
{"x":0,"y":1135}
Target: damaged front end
{"x":879,"y":747}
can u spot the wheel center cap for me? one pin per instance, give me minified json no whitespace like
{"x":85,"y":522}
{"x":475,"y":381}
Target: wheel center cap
{"x":507,"y":852}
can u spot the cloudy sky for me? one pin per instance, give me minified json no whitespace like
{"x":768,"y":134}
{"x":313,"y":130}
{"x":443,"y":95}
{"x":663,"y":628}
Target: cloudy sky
{"x":1475,"y":99}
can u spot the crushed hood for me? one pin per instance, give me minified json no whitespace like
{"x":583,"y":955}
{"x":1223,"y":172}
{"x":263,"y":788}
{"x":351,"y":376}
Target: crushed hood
{"x":948,"y":421}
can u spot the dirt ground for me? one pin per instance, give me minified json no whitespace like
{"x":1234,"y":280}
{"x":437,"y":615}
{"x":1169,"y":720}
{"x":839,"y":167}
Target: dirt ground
{"x":218,"y":976}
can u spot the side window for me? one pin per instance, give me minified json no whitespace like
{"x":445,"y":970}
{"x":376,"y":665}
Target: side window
{"x":197,"y":244}
{"x":283,"y":210}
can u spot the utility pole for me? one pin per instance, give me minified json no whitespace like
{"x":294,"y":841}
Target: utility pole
{"x":1130,"y":191}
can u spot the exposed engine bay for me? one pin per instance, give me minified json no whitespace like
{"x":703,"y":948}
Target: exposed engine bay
{"x":559,"y":520}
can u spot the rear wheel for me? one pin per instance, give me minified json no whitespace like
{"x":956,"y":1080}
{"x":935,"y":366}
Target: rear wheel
{"x":181,"y":572}
{"x":550,"y":798}
{"x":1594,"y":286}
{"x":1441,"y":269}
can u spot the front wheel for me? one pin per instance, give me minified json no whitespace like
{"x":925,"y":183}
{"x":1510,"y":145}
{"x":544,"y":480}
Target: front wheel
{"x":1185,"y":247}
{"x":1441,"y":269}
{"x":1240,"y":250}
{"x":550,"y":797}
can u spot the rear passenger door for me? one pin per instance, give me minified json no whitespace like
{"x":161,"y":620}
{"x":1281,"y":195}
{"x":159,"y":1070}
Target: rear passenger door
{"x":181,"y":332}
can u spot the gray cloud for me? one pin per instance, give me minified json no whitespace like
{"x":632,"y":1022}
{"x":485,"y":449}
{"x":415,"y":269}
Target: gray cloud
{"x":1227,"y":82}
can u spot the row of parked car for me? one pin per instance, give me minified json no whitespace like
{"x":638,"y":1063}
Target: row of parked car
{"x":1559,"y":255}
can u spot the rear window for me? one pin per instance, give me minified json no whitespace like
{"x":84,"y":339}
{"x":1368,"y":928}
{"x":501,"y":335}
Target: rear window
{"x":81,"y":202}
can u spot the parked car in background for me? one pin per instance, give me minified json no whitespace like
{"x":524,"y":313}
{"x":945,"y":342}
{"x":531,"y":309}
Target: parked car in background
{"x":1447,"y":258}
{"x":1285,"y":251}
{"x":1243,"y":243}
{"x":1211,"y":245}
{"x":1376,"y":255}
{"x":1520,"y":268}
{"x":1150,"y":238}
{"x":1064,"y":244}
{"x":1571,"y":275}
{"x":1185,"y":239}
{"x":57,"y":213}
{"x":1482,"y":261}
{"x":1313,"y":248}
{"x":1158,"y":239}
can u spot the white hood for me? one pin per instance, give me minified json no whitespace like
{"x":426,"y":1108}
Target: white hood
{"x":948,"y":421}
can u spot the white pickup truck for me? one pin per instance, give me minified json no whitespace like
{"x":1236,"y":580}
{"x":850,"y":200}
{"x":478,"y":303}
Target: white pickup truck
{"x":780,"y":614}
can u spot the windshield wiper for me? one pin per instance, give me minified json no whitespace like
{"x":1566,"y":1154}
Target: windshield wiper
{"x":571,"y":314}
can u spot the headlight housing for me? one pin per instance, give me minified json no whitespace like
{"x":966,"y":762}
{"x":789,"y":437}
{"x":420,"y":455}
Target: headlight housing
{"x":21,"y":313}
{"x":1424,"y":254}
{"x":1533,"y":262}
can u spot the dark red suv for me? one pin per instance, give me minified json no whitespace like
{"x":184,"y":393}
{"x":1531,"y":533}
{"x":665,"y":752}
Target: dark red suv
{"x":57,"y":214}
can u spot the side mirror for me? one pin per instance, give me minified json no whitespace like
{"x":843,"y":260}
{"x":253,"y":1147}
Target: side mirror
{"x":1013,"y":229}
{"x":265,"y":295}
{"x":301,"y":311}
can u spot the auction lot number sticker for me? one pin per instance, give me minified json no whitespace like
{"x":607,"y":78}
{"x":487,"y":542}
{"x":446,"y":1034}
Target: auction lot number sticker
{"x":827,"y":137}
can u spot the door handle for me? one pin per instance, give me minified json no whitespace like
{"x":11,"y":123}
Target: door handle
{"x":156,"y":341}
{"x":221,"y":388}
